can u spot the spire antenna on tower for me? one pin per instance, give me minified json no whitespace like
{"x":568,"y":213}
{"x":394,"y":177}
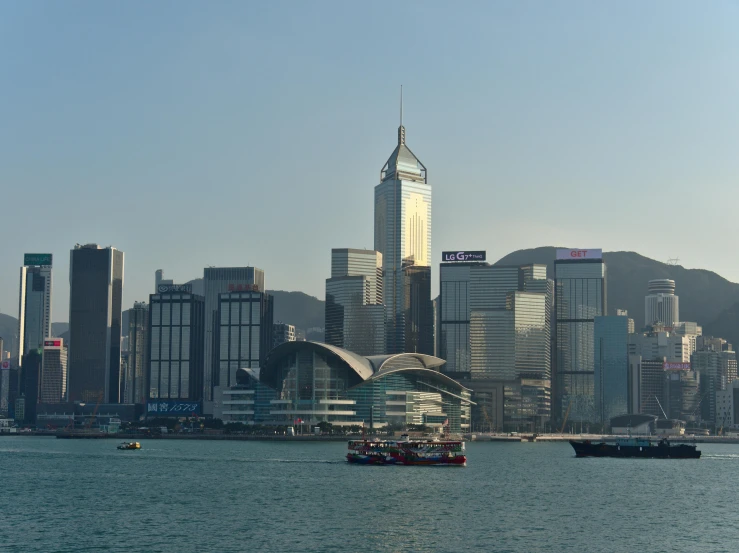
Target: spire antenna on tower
{"x":401,"y":128}
{"x":401,"y":105}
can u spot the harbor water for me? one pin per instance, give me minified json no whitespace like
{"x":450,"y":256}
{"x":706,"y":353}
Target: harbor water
{"x":182,"y":496}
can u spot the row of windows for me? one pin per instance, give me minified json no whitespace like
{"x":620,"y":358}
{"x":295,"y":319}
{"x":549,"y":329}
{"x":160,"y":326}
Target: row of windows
{"x":170,"y":342}
{"x":170,"y":313}
{"x":169,"y":379}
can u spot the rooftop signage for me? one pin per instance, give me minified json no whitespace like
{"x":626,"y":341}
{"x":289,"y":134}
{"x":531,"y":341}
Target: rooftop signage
{"x":56,"y":343}
{"x":592,"y":253}
{"x":164,"y":288}
{"x":451,"y":257}
{"x":232,"y":287}
{"x":668,"y":366}
{"x":41,"y":259}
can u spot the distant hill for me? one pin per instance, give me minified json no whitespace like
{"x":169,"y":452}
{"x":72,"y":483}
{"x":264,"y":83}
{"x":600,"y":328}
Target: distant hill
{"x":299,"y":309}
{"x":8,"y":330}
{"x":705,"y":297}
{"x":57,"y":329}
{"x":295,"y":308}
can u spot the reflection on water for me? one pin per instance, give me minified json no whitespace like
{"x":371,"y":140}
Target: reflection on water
{"x":78,"y":495}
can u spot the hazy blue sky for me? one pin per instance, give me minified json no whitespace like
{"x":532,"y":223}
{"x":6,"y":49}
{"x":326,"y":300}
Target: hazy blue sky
{"x":229,"y":133}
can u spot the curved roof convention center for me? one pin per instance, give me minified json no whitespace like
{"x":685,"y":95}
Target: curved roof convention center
{"x":366,"y":368}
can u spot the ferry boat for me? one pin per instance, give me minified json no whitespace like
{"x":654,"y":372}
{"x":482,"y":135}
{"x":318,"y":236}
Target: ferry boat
{"x":635,"y":447}
{"x":407,"y":452}
{"x":129,"y":445}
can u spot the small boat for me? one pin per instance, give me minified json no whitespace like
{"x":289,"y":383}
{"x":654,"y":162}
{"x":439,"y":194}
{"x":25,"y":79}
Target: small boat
{"x":635,"y":448}
{"x":406,"y":452}
{"x":129,"y":445}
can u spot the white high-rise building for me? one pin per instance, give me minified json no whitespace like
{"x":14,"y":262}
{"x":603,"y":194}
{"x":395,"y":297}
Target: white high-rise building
{"x":34,"y":307}
{"x":661,"y":305}
{"x":402,"y":231}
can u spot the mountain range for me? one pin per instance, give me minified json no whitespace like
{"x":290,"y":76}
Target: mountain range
{"x":705,"y":297}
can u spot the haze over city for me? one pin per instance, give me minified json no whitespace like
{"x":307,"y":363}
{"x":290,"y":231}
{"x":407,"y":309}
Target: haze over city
{"x":245,"y":134}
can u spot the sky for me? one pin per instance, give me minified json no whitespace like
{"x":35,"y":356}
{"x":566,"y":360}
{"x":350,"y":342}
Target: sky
{"x":190,"y":134}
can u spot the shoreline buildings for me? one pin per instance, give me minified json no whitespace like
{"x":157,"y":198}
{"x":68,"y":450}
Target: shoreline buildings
{"x":611,"y":334}
{"x":95,"y":296}
{"x":494,"y":331}
{"x":53,"y":385}
{"x":176,"y":329}
{"x":34,"y":305}
{"x":580,"y":296}
{"x":219,"y":280}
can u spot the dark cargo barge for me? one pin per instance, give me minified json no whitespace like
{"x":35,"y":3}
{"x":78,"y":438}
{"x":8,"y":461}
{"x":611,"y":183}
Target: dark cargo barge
{"x":635,"y":448}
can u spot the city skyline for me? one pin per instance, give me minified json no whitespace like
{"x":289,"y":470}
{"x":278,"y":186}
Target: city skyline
{"x":499,"y":139}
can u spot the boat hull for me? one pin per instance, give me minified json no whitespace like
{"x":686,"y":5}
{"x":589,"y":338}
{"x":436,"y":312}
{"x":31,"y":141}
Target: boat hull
{"x":659,"y":451}
{"x":357,"y":458}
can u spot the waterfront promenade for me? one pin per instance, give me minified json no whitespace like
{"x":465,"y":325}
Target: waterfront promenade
{"x":476,"y":437}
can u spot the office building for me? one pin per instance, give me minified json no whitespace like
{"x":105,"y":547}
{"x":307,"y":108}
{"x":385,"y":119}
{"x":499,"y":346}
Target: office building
{"x":580,"y":296}
{"x":244,"y":332}
{"x":469,"y":286}
{"x":658,"y":343}
{"x":418,"y":310}
{"x":30,"y":385}
{"x":355,"y":315}
{"x":53,"y":387}
{"x":727,"y":407}
{"x":34,"y":308}
{"x":218,"y":280}
{"x":4,"y":380}
{"x":402,"y":232}
{"x":682,"y":394}
{"x":718,"y":370}
{"x":95,"y":296}
{"x":611,"y":366}
{"x":691,"y":331}
{"x":495,"y":332}
{"x":661,"y":305}
{"x":159,"y":280}
{"x":137,"y":367}
{"x":281,"y":333}
{"x":175,"y":344}
{"x":646,"y":385}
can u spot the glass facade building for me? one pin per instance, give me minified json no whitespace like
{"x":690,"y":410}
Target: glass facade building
{"x":611,"y":367}
{"x":34,"y":309}
{"x":245,"y":322}
{"x":418,"y":310}
{"x":217,"y":280}
{"x":646,"y":379}
{"x":138,"y":354}
{"x":95,"y":296}
{"x":30,"y":385}
{"x":175,"y":345}
{"x":313,"y":383}
{"x":402,"y":233}
{"x":355,"y":314}
{"x":495,"y":333}
{"x":682,"y":395}
{"x":580,"y":296}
